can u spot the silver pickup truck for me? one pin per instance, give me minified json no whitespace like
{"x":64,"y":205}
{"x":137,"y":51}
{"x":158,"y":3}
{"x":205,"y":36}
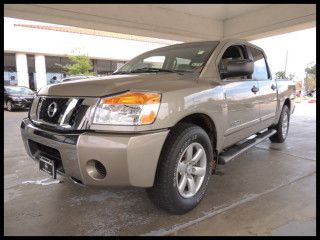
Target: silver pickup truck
{"x":163,"y":121}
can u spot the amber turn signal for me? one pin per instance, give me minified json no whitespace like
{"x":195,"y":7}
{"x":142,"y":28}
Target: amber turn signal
{"x":148,"y":118}
{"x":134,"y":98}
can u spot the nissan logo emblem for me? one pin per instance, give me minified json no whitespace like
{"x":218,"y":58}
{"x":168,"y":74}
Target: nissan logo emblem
{"x":52,"y":109}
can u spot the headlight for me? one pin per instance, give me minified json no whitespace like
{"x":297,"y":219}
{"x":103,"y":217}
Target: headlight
{"x":130,"y":108}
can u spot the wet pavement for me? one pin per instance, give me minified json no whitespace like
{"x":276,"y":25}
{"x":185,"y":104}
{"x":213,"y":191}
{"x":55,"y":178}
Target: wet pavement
{"x":268,"y":190}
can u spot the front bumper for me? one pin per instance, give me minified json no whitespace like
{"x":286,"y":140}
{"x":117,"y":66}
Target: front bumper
{"x":129,"y":159}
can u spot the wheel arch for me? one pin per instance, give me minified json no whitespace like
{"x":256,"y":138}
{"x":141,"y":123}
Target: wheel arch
{"x":205,"y":122}
{"x":202,"y":120}
{"x":287,"y":102}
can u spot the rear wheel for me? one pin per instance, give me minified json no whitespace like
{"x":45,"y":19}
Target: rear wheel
{"x":282,"y":126}
{"x":184,"y":169}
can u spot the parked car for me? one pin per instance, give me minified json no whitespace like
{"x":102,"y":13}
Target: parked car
{"x":163,"y":121}
{"x":16,"y":97}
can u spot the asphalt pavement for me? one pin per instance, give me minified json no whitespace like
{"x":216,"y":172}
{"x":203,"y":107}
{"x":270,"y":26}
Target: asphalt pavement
{"x":268,"y":190}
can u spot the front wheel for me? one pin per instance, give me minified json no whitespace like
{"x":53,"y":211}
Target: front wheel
{"x":184,"y":169}
{"x":10,"y":106}
{"x":282,"y":126}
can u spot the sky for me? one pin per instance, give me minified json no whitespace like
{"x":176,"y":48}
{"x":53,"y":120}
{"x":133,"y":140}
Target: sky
{"x":301,"y":45}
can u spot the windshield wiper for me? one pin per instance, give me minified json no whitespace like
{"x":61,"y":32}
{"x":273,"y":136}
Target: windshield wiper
{"x":159,"y":70}
{"x":123,"y":72}
{"x":147,"y":69}
{"x":140,"y":70}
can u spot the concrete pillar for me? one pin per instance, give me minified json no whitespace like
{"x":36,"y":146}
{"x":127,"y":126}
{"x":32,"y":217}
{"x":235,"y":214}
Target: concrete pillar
{"x":40,"y":66}
{"x":22,"y":69}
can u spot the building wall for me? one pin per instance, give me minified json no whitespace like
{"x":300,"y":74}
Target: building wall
{"x":48,"y":66}
{"x":10,"y":70}
{"x":33,"y":61}
{"x":57,"y":43}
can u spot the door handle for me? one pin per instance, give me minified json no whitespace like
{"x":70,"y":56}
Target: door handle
{"x":273,"y":87}
{"x":254,"y":89}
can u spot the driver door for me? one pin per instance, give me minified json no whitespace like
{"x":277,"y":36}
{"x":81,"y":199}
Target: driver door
{"x":241,"y":100}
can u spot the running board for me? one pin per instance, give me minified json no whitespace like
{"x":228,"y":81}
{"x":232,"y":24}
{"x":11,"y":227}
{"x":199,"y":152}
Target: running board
{"x":235,"y":150}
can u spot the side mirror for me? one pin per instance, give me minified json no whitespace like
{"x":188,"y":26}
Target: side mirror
{"x":236,"y":68}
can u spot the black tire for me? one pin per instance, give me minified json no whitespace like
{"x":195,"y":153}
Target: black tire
{"x":279,"y":137}
{"x":10,"y":107}
{"x":164,"y":192}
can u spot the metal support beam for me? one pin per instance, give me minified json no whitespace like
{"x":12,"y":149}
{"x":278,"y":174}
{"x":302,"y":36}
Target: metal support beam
{"x":22,"y":69}
{"x":40,"y":66}
{"x":157,"y":22}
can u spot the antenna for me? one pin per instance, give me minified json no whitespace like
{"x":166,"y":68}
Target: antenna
{"x":285,"y":66}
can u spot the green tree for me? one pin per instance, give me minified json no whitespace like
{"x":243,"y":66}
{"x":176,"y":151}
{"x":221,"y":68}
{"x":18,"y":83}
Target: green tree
{"x":281,"y":75}
{"x":311,"y":70}
{"x":291,"y":76}
{"x":80,"y":64}
{"x":310,"y":80}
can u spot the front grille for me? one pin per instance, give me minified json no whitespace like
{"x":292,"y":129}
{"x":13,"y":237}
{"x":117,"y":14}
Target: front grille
{"x":64,"y":114}
{"x":71,"y":119}
{"x":49,"y":152}
{"x":61,"y":107}
{"x":78,"y":112}
{"x":38,"y":149}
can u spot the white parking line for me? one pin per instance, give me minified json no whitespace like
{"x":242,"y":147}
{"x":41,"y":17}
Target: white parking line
{"x":42,"y":182}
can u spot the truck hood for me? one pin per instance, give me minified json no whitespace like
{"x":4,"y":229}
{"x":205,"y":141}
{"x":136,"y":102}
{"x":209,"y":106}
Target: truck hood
{"x":101,"y":86}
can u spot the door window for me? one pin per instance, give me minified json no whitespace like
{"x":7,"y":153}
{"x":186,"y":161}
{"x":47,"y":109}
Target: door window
{"x":260,"y":67}
{"x":235,"y":52}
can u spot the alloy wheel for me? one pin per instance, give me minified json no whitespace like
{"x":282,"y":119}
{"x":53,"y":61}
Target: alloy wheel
{"x":285,"y":123}
{"x":191,"y":170}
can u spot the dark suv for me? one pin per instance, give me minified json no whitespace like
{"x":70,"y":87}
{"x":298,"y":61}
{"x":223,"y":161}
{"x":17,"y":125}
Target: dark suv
{"x":17,"y":97}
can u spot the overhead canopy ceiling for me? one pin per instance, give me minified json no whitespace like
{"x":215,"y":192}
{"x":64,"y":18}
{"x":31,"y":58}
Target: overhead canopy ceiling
{"x":181,"y":22}
{"x":213,"y":11}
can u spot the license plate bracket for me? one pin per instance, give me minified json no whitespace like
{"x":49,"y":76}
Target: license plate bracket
{"x":47,"y":165}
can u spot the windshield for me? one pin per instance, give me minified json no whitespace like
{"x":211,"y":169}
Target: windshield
{"x":19,"y":90}
{"x":190,"y":57}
